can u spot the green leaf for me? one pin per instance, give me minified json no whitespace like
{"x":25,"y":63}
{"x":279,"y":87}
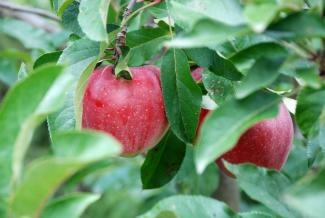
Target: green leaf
{"x":263,"y":186}
{"x":51,"y":101}
{"x":162,"y":162}
{"x":314,"y":150}
{"x":144,"y":44}
{"x":19,"y":115}
{"x":47,"y":58}
{"x":8,"y":71}
{"x":22,"y":73}
{"x":189,"y":206}
{"x":283,"y":84}
{"x":207,"y":33}
{"x":28,"y":35}
{"x":299,"y":25}
{"x":308,"y":76}
{"x":208,"y":58}
{"x":246,"y":57}
{"x":189,"y":182}
{"x":308,"y":195}
{"x":17,"y":55}
{"x":310,"y":106}
{"x":88,"y":146}
{"x":70,"y":19}
{"x":219,"y":88}
{"x":187,"y":12}
{"x":262,"y":73}
{"x":305,"y":71}
{"x":121,"y":180}
{"x":61,"y":5}
{"x":182,"y":96}
{"x":255,"y":214}
{"x":159,"y":10}
{"x":223,"y":127}
{"x":321,"y":135}
{"x":36,"y":188}
{"x":64,"y":118}
{"x":72,"y":152}
{"x":93,"y":17}
{"x":260,"y":14}
{"x":234,"y":46}
{"x":25,"y":106}
{"x":296,"y":165}
{"x":79,"y":58}
{"x":72,"y":205}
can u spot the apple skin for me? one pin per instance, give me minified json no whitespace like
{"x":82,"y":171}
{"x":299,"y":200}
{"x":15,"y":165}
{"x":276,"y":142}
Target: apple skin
{"x":197,"y":74}
{"x":130,"y":110}
{"x":266,"y":144}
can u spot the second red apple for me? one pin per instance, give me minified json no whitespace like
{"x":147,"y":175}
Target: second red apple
{"x":266,"y":144}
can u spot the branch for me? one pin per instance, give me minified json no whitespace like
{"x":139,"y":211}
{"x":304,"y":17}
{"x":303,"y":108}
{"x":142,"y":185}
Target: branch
{"x":307,"y":3}
{"x":322,"y":65}
{"x":28,"y":10}
{"x":228,"y":191}
{"x":34,"y":20}
{"x":141,"y":9}
{"x":121,"y":36}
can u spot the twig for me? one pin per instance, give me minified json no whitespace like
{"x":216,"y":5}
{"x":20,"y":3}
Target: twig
{"x":141,"y":9}
{"x":228,"y":191}
{"x":32,"y":19}
{"x":28,"y":10}
{"x":307,"y":3}
{"x":121,"y":36}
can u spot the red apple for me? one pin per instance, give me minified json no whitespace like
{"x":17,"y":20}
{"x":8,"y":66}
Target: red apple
{"x":197,"y":74}
{"x":266,"y":144}
{"x":130,"y":110}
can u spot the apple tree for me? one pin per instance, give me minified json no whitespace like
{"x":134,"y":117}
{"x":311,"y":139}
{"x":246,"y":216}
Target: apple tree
{"x":162,"y":108}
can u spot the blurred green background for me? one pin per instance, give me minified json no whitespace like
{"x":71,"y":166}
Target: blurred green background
{"x":118,"y":180}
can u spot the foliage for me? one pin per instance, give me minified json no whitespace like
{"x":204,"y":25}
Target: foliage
{"x":255,"y":54}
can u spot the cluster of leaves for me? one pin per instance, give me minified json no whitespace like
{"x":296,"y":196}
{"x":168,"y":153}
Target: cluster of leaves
{"x":255,"y":53}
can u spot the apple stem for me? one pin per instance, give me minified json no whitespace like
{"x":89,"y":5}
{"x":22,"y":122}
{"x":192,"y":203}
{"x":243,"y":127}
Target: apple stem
{"x":228,"y":191}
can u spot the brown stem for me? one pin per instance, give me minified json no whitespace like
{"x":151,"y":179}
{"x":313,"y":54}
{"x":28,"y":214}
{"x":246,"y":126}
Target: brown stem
{"x":121,"y":36}
{"x":228,"y":191}
{"x":28,"y":10}
{"x":307,"y":3}
{"x":141,"y":9}
{"x":322,"y":65}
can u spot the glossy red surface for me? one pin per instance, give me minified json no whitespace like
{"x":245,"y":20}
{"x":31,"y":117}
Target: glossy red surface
{"x":203,"y":113}
{"x":197,"y":74}
{"x":130,"y":110}
{"x":266,"y":144}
